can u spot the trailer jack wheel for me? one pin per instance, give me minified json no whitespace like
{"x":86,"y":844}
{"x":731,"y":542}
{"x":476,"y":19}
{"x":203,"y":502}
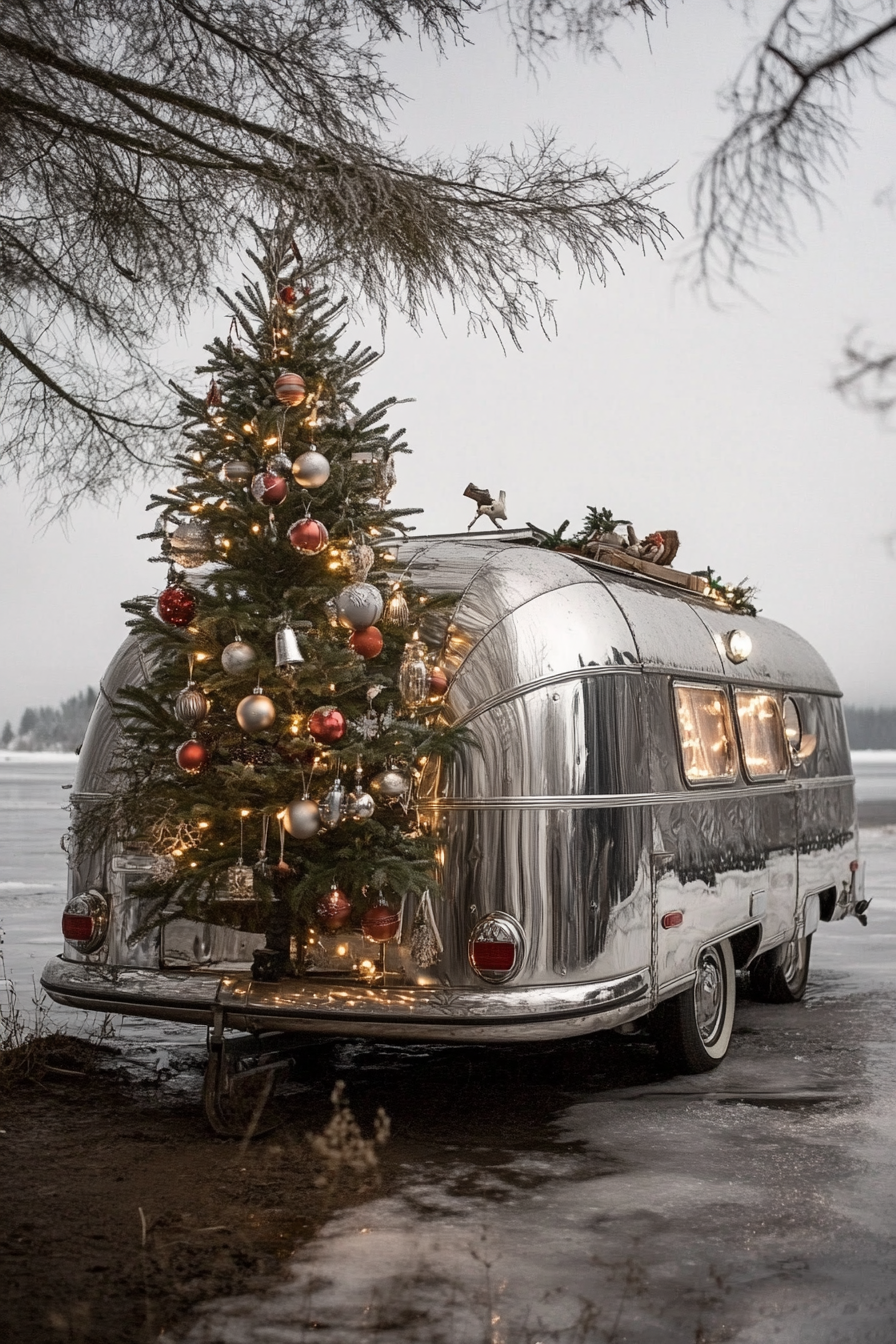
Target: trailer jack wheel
{"x":693,"y":1030}
{"x":238,"y":1088}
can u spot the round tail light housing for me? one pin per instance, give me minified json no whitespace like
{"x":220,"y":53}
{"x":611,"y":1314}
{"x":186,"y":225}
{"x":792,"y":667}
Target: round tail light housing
{"x":496,"y":948}
{"x":85,"y":921}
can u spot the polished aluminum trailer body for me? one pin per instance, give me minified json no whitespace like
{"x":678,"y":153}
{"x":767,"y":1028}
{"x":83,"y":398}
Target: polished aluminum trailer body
{"x":568,"y":810}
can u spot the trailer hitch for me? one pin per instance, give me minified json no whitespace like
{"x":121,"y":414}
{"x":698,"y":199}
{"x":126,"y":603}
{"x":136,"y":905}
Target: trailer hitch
{"x":240,"y":1078}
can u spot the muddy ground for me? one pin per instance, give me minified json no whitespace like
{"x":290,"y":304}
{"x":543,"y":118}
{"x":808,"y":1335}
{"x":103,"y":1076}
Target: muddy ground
{"x":85,"y":1151}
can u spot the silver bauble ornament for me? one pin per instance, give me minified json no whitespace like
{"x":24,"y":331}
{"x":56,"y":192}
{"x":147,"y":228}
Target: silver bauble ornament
{"x":280,"y":464}
{"x":311,"y":469}
{"x":361,"y":806}
{"x":332,"y":803}
{"x":191,"y":705}
{"x":390,"y":783}
{"x":255,"y":712}
{"x":359,"y":605}
{"x":190,"y":544}
{"x":238,"y":472}
{"x":301,"y":818}
{"x":238,"y":657}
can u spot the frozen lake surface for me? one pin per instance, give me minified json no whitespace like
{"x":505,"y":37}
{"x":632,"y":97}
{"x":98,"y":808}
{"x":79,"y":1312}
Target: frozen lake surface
{"x":576,"y":1194}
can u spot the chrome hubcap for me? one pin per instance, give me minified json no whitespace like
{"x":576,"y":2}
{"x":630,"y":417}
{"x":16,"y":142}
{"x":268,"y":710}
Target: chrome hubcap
{"x":793,"y":957}
{"x":709,"y":995}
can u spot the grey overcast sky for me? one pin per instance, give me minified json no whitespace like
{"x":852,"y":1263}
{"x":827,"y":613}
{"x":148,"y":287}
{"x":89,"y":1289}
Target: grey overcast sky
{"x":716,"y":421}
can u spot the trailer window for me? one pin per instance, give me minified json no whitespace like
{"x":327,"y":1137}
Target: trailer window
{"x":761,"y":734}
{"x":705,"y":733}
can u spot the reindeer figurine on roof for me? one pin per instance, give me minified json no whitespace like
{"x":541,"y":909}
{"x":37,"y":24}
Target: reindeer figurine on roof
{"x":486,"y":504}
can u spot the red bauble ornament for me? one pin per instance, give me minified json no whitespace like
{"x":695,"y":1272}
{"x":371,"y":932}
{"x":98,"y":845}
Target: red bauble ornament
{"x":438,"y":682}
{"x":334,"y":909}
{"x":176,"y":606}
{"x":368,"y":642}
{"x":268,"y":488}
{"x":191,"y":756}
{"x":286,"y":294}
{"x":327,"y":724}
{"x":379,"y":923}
{"x":308,"y":536}
{"x":290,"y":389}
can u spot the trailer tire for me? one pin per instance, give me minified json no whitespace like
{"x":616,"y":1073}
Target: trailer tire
{"x":781,"y":976}
{"x":693,"y":1030}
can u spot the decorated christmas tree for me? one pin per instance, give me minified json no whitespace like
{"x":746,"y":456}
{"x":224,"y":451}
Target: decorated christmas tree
{"x":271,"y":758}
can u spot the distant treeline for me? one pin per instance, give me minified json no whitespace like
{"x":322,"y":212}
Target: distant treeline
{"x":63,"y":729}
{"x":870,"y":729}
{"x":47,"y":729}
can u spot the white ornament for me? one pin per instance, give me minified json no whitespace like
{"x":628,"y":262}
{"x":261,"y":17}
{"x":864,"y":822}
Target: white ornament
{"x":359,"y":605}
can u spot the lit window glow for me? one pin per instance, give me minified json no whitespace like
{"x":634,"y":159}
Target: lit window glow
{"x":761,"y":734}
{"x":705,"y":733}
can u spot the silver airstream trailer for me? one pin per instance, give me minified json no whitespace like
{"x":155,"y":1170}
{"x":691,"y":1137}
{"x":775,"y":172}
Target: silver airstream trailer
{"x":654,"y":794}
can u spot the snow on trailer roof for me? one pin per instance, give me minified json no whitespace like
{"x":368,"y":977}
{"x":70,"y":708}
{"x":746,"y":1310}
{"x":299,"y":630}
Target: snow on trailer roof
{"x":564,"y":612}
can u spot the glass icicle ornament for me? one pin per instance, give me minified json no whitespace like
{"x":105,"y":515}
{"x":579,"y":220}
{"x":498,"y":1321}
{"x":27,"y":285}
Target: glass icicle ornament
{"x":396,"y":610}
{"x":385,"y":476}
{"x":413,"y":675}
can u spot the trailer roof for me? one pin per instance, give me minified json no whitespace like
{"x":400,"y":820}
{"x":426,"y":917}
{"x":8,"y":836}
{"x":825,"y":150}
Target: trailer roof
{"x":539,"y":614}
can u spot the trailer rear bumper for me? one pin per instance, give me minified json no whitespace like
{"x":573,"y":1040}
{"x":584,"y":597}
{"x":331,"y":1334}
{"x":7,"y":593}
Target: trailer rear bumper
{"x":408,"y":1013}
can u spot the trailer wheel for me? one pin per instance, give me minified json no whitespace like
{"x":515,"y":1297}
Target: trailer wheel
{"x":781,"y":976}
{"x":693,"y":1030}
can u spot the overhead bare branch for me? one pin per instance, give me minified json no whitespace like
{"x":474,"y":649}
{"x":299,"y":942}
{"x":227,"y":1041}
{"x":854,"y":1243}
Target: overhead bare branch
{"x":791,"y":105}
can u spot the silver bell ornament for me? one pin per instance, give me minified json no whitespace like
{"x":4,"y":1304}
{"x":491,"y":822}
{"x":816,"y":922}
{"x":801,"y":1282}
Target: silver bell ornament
{"x":413,"y":675}
{"x":332,"y":803}
{"x":311,"y":469}
{"x":390,"y":783}
{"x":359,"y":559}
{"x":190,"y":544}
{"x":238,"y":472}
{"x":286,"y":647}
{"x":359,"y":605}
{"x":191,"y":705}
{"x":255,"y":712}
{"x":238,"y":657}
{"x":301,"y":818}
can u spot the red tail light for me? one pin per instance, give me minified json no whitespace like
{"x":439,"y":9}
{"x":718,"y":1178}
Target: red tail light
{"x":77,"y":928}
{"x":496,"y":948}
{"x":85,"y":921}
{"x":493,"y":956}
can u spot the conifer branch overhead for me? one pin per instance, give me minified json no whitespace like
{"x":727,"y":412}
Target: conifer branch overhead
{"x":138,"y":137}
